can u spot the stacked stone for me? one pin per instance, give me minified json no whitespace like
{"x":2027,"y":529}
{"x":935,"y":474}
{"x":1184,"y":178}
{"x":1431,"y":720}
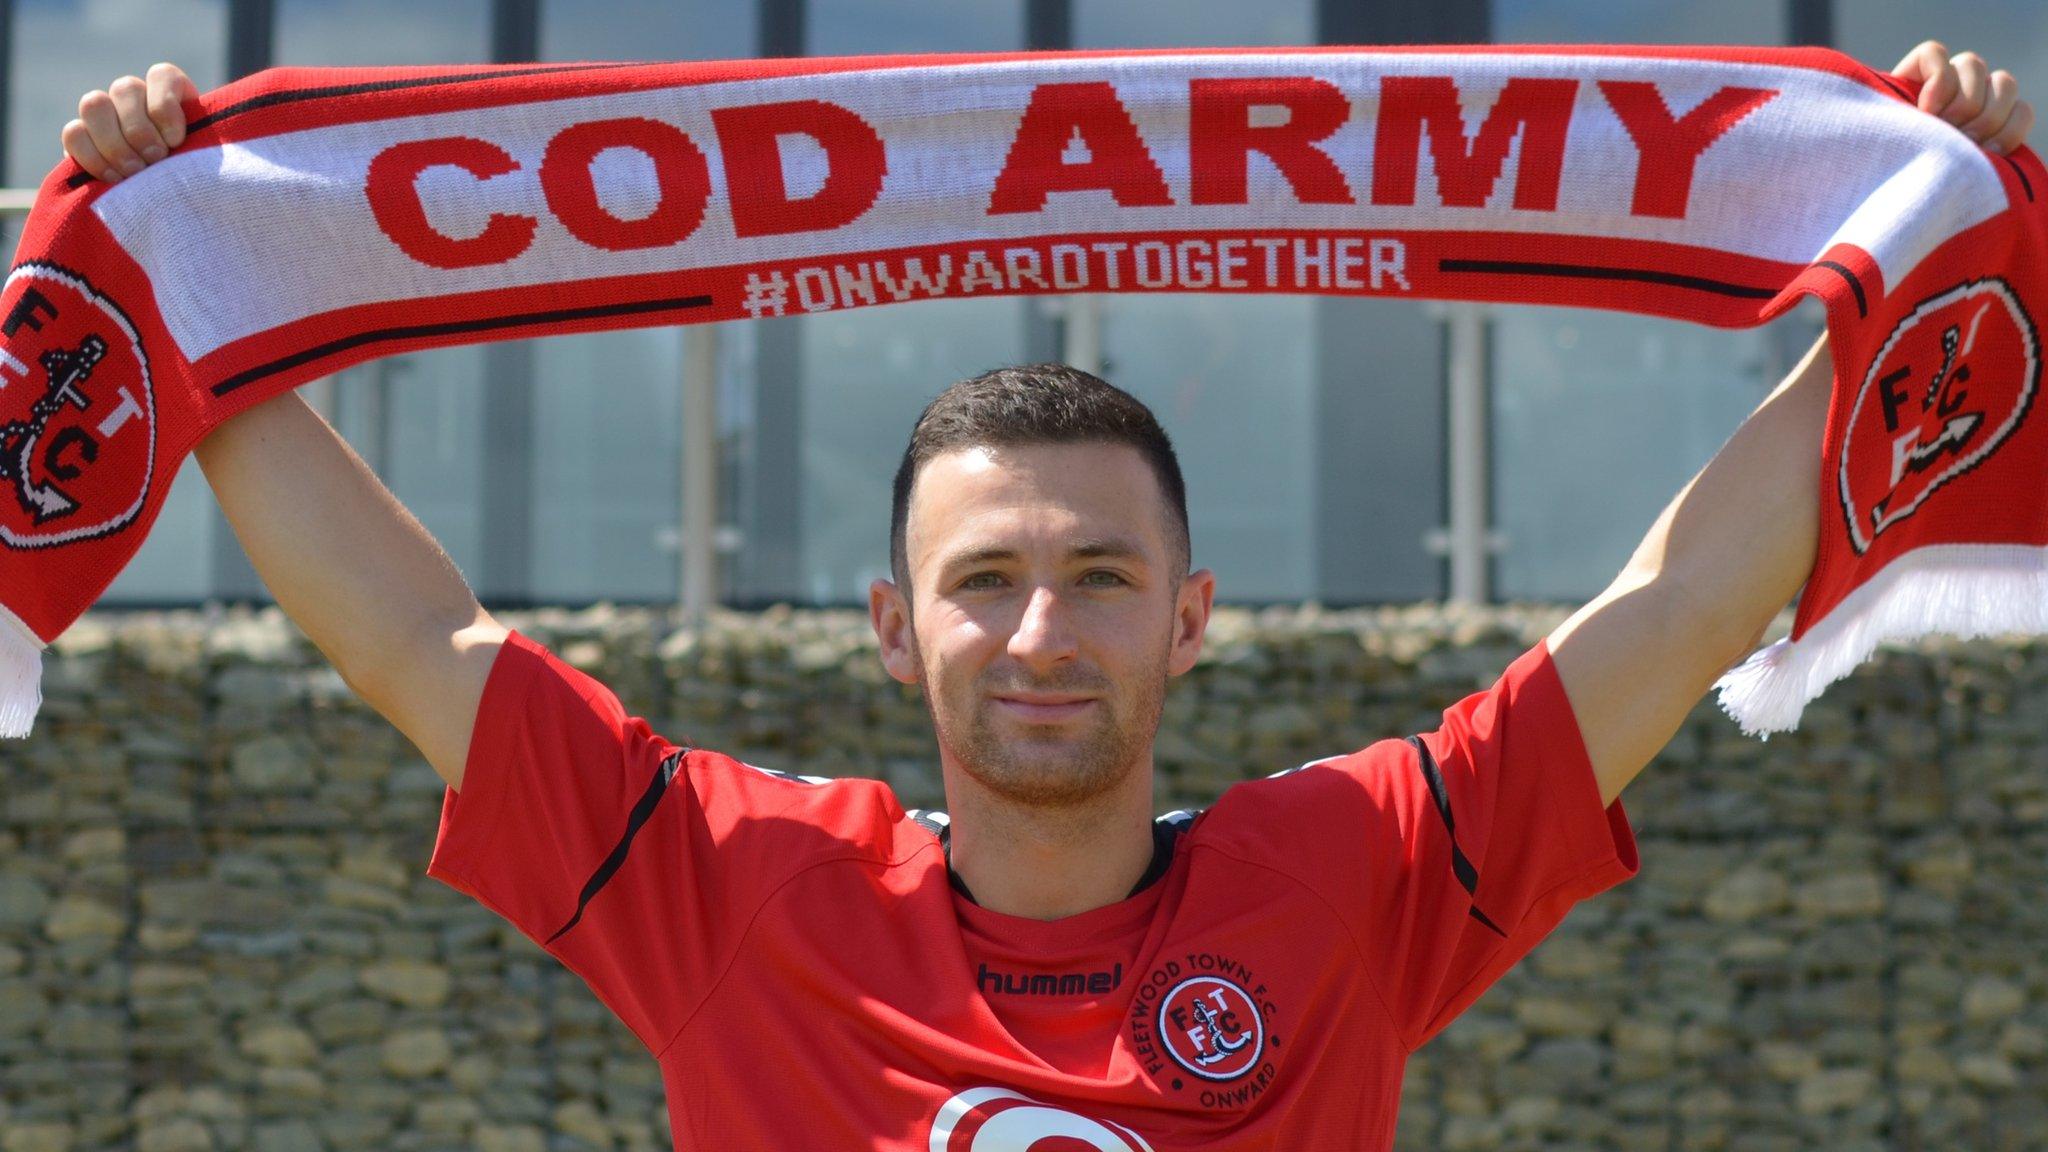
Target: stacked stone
{"x":216,"y":931}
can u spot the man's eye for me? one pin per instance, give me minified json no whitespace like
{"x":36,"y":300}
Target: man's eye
{"x":1106,"y":579}
{"x":982,"y":580}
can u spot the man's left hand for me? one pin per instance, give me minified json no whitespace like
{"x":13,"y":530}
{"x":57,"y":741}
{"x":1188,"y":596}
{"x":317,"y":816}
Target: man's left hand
{"x":1963,"y":90}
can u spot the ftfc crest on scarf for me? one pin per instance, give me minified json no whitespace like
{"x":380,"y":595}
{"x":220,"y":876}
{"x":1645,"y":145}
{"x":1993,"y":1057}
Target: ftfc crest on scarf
{"x":77,"y":415}
{"x":1950,"y":384}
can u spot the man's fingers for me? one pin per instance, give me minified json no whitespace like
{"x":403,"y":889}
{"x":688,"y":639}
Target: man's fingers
{"x":79,"y":146}
{"x":1927,"y":63}
{"x":169,"y":88}
{"x":131,"y":106}
{"x":2015,"y":131}
{"x":1973,"y":86}
{"x":1925,"y":59}
{"x":2003,"y":94}
{"x":104,"y":123}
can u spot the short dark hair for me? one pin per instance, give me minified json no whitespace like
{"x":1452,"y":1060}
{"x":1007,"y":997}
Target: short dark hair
{"x":1037,"y":404}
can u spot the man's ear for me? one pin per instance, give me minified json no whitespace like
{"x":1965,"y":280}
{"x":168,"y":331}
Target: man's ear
{"x":890,"y":614}
{"x":1190,"y":620}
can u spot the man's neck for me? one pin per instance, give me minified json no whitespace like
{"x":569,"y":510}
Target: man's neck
{"x":1046,"y":864}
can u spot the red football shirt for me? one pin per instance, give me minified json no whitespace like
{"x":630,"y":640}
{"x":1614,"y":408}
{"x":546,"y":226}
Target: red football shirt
{"x":792,"y":952}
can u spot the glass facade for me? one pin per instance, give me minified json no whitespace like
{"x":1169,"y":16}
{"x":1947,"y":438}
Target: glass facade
{"x":1312,"y":431}
{"x":1657,"y":397}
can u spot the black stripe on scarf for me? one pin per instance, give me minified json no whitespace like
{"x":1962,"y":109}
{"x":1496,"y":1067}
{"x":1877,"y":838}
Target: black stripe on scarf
{"x":1599,"y":272}
{"x":451,"y":328}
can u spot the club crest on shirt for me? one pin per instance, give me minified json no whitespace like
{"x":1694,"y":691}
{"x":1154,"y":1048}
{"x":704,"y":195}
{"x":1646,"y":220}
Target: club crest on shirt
{"x":1211,"y":1028}
{"x":77,"y":413}
{"x":1002,"y":1120}
{"x":1202,"y":1023}
{"x":1950,"y":384}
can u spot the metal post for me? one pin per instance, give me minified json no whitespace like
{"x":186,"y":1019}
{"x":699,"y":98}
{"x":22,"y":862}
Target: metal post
{"x":1084,"y":333}
{"x":252,"y":36}
{"x":1810,"y":23}
{"x":699,"y":503}
{"x":1469,"y":536}
{"x":1048,"y":24}
{"x":504,"y":563}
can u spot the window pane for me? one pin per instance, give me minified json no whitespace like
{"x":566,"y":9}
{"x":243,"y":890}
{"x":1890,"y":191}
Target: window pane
{"x":1640,"y":22}
{"x":369,"y":32}
{"x":1194,"y":24}
{"x":607,"y":437}
{"x":646,"y":29}
{"x":62,"y":48}
{"x":866,"y":374}
{"x":175,"y":561}
{"x":1230,"y":379}
{"x":842,"y":28}
{"x":1600,"y":417}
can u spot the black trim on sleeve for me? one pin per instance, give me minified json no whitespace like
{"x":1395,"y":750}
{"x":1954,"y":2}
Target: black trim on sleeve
{"x":1461,"y":864}
{"x":642,"y":809}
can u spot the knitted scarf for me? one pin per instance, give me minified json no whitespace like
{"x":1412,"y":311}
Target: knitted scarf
{"x":318,"y":218}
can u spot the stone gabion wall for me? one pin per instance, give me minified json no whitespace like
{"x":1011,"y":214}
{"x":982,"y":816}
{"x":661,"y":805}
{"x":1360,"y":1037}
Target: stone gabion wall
{"x":216,"y":931}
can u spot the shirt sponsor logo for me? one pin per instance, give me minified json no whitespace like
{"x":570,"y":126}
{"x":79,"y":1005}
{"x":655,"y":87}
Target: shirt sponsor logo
{"x":77,"y":415}
{"x":1950,"y":385}
{"x":997,"y":983}
{"x":1000,"y":1120}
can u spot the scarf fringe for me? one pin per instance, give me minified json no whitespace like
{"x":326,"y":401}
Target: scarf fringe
{"x":21,"y":676}
{"x":1963,"y":590}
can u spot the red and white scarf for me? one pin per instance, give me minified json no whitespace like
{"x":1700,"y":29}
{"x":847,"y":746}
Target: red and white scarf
{"x":318,"y":218}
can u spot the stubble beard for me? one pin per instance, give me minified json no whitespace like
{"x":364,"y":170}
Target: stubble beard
{"x":1057,"y":769}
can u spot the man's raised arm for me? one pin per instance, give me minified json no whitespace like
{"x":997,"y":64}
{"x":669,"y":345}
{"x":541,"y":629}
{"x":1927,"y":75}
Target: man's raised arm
{"x":350,"y":566}
{"x":1739,"y":540}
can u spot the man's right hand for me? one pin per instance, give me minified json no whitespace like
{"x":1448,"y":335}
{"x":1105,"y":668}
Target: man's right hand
{"x":131,"y":123}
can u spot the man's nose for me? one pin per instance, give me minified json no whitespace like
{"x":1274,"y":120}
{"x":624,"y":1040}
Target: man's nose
{"x":1044,"y":635}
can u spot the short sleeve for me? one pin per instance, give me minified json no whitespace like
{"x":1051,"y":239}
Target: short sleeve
{"x":632,"y":860}
{"x":1453,"y":853}
{"x":1504,"y":833}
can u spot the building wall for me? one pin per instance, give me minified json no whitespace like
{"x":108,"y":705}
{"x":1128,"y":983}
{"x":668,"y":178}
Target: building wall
{"x":216,"y":931}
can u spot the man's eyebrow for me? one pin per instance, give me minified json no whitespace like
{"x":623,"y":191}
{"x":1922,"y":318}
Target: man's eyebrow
{"x":1103,"y":548}
{"x":1109,"y":548}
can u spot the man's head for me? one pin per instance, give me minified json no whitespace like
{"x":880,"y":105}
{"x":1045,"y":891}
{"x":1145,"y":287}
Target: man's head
{"x":1042,"y":594}
{"x":1037,"y":404}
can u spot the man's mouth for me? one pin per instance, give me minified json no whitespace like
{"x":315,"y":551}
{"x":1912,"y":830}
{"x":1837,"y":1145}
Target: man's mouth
{"x":1044,"y":708}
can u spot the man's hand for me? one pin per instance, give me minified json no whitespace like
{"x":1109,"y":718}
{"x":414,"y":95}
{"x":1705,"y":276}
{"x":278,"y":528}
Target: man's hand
{"x":131,"y":123}
{"x":1963,"y":90}
{"x":1740,"y":540}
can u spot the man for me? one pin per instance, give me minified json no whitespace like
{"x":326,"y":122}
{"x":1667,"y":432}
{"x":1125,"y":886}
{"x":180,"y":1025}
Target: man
{"x":1048,"y":968}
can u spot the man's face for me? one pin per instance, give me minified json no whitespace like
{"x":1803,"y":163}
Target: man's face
{"x":1047,"y":615}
